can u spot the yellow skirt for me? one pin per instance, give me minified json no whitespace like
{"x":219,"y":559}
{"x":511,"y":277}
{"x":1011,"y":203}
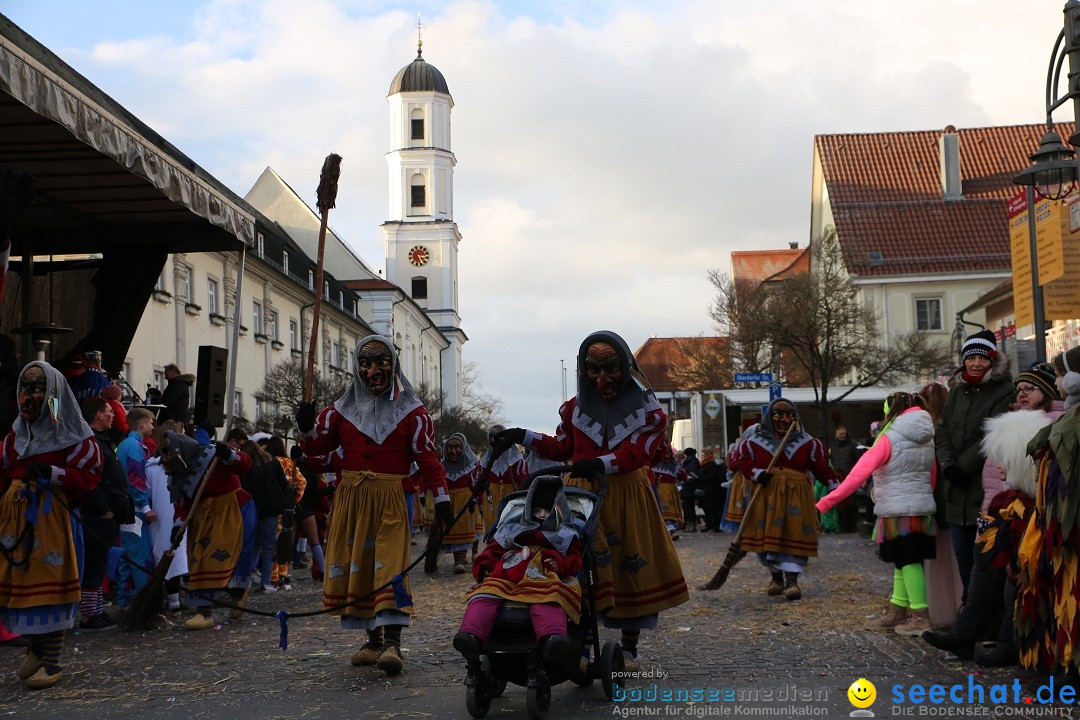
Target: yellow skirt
{"x":51,"y":577}
{"x":368,"y":544}
{"x":670,"y":502}
{"x":464,"y":530}
{"x":783,"y":520}
{"x":495,"y":494}
{"x":637,"y":570}
{"x":737,"y":497}
{"x":215,"y":541}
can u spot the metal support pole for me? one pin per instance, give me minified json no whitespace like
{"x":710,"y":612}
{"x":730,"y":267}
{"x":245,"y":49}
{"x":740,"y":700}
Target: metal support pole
{"x":230,"y":395}
{"x":1036,"y":288}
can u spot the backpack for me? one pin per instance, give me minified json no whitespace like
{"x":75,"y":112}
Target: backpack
{"x":269,"y":488}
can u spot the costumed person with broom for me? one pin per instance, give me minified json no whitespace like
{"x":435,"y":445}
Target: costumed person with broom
{"x":1048,"y":581}
{"x":781,"y":527}
{"x":462,"y":474}
{"x":221,"y":531}
{"x":508,"y":472}
{"x":373,"y":433}
{"x":50,"y":460}
{"x":904,"y":468}
{"x":613,"y":427}
{"x":667,"y":474}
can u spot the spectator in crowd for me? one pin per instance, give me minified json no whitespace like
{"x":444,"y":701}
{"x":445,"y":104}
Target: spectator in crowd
{"x":985,"y":389}
{"x":310,"y":516}
{"x":266,"y":484}
{"x":711,"y":493}
{"x":690,"y":466}
{"x":161,"y":529}
{"x":135,"y":537}
{"x":843,"y":452}
{"x":111,"y":394}
{"x":297,"y":483}
{"x":177,"y":394}
{"x":92,"y":380}
{"x":104,"y":509}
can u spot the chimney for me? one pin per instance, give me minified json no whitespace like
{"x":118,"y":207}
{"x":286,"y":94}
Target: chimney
{"x":793,"y":245}
{"x":949,"y":158}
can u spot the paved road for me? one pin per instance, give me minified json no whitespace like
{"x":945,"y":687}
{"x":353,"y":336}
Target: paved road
{"x":759,"y":655}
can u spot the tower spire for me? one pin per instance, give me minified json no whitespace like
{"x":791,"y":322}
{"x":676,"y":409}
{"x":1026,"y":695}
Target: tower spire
{"x":419,"y":39}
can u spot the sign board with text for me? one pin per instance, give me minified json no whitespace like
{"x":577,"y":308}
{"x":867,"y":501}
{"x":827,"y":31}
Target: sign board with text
{"x":753,"y":377}
{"x":1056,"y":224}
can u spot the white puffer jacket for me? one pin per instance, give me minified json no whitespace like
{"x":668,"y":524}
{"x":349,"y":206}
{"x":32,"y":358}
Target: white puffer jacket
{"x":902,"y":485}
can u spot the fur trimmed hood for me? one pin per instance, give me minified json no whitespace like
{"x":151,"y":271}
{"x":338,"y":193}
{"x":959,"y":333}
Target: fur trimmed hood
{"x":1005,"y":444}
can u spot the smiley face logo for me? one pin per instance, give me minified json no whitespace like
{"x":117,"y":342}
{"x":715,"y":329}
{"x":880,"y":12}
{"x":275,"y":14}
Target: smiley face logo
{"x":862,"y":693}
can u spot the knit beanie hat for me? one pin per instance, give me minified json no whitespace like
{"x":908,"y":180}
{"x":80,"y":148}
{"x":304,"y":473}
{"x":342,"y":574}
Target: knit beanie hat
{"x":982,"y":343}
{"x":1042,"y":376}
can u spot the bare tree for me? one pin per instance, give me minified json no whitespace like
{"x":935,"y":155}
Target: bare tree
{"x":478,"y":410}
{"x":825,"y":333}
{"x":283,"y":389}
{"x":740,"y":311}
{"x":706,"y":364}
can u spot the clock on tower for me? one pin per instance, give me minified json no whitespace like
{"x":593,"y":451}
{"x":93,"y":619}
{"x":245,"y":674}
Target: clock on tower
{"x":419,"y":255}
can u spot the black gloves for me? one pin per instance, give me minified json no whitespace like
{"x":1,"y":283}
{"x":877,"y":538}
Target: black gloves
{"x":444,"y":515}
{"x":222,"y":452}
{"x":482,"y":484}
{"x":176,"y":536}
{"x":763,"y":478}
{"x":16,"y":192}
{"x":305,"y":416}
{"x":587,"y":469}
{"x":41,"y":471}
{"x":507,"y":439}
{"x":955,"y":475}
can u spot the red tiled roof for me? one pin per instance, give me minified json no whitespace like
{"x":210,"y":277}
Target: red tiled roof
{"x":657,"y":356}
{"x":761,"y":265}
{"x":886,"y":198}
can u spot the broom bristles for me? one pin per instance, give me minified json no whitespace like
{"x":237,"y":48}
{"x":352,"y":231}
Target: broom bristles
{"x":147,"y":603}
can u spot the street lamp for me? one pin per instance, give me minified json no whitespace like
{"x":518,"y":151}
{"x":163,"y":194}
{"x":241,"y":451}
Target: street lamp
{"x":1053,"y":172}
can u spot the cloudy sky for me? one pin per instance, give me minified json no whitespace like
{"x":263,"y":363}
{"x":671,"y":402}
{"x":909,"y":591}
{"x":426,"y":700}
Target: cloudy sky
{"x":609,"y":153}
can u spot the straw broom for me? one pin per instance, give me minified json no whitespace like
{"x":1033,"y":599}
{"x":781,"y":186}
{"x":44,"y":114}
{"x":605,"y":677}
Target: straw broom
{"x":147,"y":603}
{"x":326,"y":195}
{"x":735,"y":552}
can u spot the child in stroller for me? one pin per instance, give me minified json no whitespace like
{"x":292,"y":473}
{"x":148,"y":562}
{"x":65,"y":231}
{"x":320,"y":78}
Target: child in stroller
{"x":533,"y":558}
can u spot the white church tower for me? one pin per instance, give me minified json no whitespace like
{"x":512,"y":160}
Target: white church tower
{"x":421,"y":235}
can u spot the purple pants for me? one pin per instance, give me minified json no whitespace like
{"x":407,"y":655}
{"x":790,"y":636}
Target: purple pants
{"x":480,"y":615}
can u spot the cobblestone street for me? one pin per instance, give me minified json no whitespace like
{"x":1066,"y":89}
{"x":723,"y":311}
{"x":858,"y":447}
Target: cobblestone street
{"x":761,"y":652}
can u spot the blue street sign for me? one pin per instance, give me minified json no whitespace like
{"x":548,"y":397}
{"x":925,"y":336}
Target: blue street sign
{"x":753,"y":377}
{"x":775,"y":390}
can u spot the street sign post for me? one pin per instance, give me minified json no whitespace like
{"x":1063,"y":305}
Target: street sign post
{"x":753,"y":377}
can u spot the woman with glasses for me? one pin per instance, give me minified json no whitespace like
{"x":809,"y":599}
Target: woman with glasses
{"x":1008,"y":482}
{"x":905,"y":471}
{"x":781,"y":527}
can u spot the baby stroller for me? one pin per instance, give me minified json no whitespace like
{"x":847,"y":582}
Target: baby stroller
{"x":511,"y":653}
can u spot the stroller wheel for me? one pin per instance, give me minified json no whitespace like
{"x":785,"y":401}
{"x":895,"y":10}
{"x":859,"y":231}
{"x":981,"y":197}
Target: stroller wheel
{"x":498,"y":684}
{"x":611,"y":662}
{"x":477,"y":700}
{"x":538,"y":698}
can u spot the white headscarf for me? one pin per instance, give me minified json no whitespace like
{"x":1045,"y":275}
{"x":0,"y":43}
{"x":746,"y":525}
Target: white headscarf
{"x":464,"y":465}
{"x":60,"y":423}
{"x":377,"y":415}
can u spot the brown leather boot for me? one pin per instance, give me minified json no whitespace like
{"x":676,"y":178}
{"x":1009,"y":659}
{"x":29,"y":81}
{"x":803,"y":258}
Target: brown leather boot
{"x":894,"y":615}
{"x":776,"y":587}
{"x":791,"y":586}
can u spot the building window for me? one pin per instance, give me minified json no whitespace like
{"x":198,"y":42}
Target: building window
{"x":211,"y":296}
{"x":256,"y":318}
{"x":419,"y":196}
{"x":285,"y":262}
{"x":159,"y":378}
{"x":294,"y":335}
{"x":271,"y":324}
{"x":238,"y":402}
{"x":311,"y":280}
{"x":928,"y":315}
{"x":419,"y":288}
{"x":418,"y":128}
{"x":186,"y":288}
{"x":326,"y":289}
{"x":260,"y":245}
{"x":160,"y":285}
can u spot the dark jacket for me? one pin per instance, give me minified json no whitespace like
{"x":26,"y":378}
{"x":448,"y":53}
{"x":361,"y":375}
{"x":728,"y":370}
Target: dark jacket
{"x":710,"y":475}
{"x":177,"y":397}
{"x":111,"y":494}
{"x":959,"y":436}
{"x":844,"y":455}
{"x":269,"y":488}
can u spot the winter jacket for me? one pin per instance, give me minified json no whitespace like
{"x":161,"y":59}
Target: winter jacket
{"x":959,"y":438}
{"x":902,"y":486}
{"x":177,"y":396}
{"x":844,"y":455}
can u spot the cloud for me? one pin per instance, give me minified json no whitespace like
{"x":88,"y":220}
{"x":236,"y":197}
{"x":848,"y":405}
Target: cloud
{"x":608,"y":153}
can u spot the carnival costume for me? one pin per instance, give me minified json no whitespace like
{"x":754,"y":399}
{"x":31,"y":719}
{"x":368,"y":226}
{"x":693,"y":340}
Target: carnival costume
{"x":462,"y":475}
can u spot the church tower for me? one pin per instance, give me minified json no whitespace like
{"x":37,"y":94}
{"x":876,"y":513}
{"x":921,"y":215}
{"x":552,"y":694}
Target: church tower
{"x":421,"y":235}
